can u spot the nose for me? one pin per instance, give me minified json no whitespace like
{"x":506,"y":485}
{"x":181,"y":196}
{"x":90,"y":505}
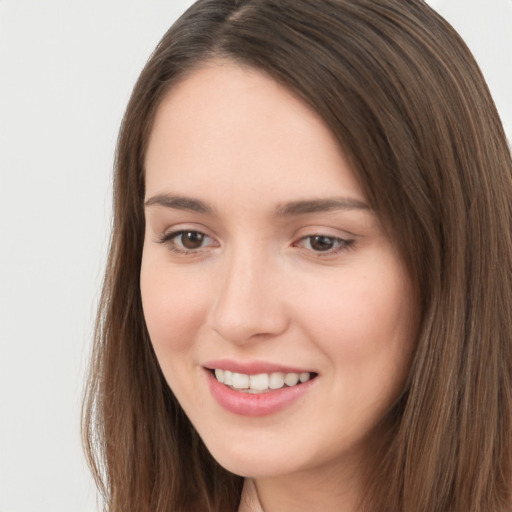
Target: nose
{"x":248,"y":303}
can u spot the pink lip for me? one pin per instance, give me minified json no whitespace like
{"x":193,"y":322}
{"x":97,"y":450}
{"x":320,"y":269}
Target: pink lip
{"x":251,"y":367}
{"x":261,"y":404}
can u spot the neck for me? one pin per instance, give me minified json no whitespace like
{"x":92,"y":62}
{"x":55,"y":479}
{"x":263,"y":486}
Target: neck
{"x":334,"y":490}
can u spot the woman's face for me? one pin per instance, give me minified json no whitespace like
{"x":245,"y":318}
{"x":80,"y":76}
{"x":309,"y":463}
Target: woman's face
{"x":263,"y":264}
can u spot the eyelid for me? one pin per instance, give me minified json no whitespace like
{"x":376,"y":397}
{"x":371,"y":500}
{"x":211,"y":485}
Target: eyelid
{"x":344,"y":244}
{"x":340,"y":243}
{"x":169,"y":235}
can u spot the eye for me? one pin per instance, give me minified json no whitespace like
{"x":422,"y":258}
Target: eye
{"x":185,"y":241}
{"x":190,"y":239}
{"x":324,"y":244}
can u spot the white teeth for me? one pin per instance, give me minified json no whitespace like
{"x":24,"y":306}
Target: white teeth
{"x":276,"y":381}
{"x":291,"y":379}
{"x":304,"y":377}
{"x":261,"y":382}
{"x":240,"y":380}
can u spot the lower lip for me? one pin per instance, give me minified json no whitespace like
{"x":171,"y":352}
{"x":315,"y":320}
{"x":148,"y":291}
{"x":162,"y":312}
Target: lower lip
{"x":261,"y":404}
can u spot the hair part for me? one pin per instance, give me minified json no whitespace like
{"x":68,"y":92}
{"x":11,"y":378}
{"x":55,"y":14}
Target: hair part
{"x":410,"y":108}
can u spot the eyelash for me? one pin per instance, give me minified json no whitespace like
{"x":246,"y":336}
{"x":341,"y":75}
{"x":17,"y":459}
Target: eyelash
{"x":169,"y":240}
{"x":342,"y":243}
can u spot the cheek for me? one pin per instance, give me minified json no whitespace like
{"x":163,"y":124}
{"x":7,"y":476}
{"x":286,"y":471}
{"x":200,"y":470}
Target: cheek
{"x":364,"y":323}
{"x":174,"y":306}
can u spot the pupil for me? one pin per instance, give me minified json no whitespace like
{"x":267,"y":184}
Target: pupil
{"x":192,"y":239}
{"x":321,"y":243}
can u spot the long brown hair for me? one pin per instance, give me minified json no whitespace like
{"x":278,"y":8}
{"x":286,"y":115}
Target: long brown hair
{"x":411,"y":110}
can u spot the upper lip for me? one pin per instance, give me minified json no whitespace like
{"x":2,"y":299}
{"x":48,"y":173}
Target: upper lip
{"x":252,"y":367}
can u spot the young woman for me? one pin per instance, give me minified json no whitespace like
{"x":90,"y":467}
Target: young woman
{"x":307,"y":301}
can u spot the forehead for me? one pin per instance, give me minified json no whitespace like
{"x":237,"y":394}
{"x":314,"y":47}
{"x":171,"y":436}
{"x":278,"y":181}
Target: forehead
{"x":225,"y":127}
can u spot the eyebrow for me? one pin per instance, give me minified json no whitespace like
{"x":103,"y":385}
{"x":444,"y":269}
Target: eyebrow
{"x":179,"y":203}
{"x":289,"y":209}
{"x":320,"y":205}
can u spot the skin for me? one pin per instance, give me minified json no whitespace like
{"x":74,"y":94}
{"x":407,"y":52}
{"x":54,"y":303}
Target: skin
{"x":256,"y":287}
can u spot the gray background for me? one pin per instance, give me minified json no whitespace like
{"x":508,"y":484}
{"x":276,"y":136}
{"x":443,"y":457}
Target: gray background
{"x":66,"y":71}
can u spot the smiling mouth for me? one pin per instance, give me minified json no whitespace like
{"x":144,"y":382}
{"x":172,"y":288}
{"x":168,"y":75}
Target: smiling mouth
{"x":262,"y":382}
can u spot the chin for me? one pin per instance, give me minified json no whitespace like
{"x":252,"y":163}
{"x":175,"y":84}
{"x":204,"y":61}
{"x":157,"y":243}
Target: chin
{"x":254,"y":467}
{"x":253,"y":460}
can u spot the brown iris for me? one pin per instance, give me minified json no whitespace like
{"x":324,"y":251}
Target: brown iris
{"x":192,"y":239}
{"x":321,"y":243}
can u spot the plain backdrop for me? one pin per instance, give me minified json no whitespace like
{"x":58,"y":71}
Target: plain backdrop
{"x":66,"y":71}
